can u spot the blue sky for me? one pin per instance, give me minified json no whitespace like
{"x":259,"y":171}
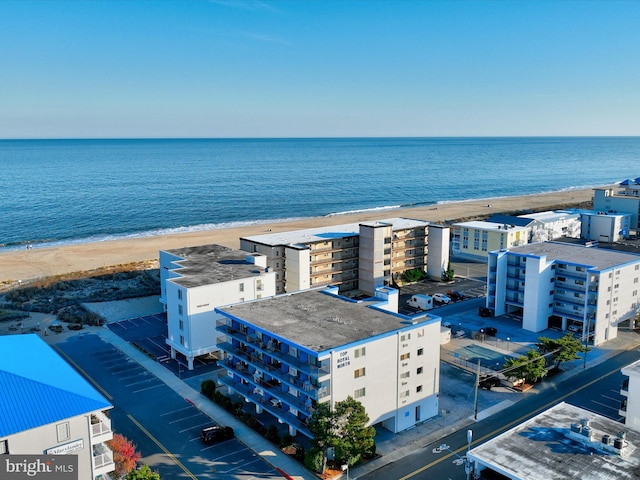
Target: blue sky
{"x":264,"y":68}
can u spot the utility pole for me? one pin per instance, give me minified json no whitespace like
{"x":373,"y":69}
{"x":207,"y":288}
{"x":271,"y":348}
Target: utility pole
{"x":475,"y":401}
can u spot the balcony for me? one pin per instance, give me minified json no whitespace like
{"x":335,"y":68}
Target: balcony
{"x":255,"y":357}
{"x":623,"y":408}
{"x":624,"y":388}
{"x":100,"y":428}
{"x":102,"y":460}
{"x":274,"y":405}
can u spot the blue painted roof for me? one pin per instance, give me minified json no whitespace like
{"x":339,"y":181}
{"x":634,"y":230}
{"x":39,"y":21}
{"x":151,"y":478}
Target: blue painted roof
{"x":38,"y":387}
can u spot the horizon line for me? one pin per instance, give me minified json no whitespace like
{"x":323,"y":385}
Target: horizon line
{"x":316,"y":138}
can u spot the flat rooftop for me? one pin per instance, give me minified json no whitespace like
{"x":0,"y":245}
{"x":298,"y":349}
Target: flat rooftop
{"x":319,"y":321}
{"x":543,"y":448}
{"x":552,"y":215}
{"x":320,"y":234}
{"x":596,"y":258}
{"x":209,"y":264}
{"x":482,"y":225}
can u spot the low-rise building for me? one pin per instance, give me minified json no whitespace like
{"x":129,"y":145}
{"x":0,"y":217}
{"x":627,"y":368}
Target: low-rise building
{"x":476,"y":239}
{"x":357,"y":256}
{"x":563,"y":442}
{"x":288,"y":353}
{"x":583,"y":289}
{"x":623,"y":197}
{"x":600,"y":226}
{"x":46,"y":407}
{"x":630,"y":408}
{"x":196,"y":280}
{"x":554,"y":224}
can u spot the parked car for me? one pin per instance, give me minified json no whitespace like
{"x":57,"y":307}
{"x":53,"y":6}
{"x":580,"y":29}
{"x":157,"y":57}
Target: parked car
{"x":487,"y":382}
{"x":575,"y":328}
{"x":441,"y":297}
{"x":491,"y":331}
{"x":484,"y":312}
{"x":74,"y":326}
{"x":56,"y":327}
{"x":455,"y":295}
{"x":447,"y":324}
{"x":215,"y":434}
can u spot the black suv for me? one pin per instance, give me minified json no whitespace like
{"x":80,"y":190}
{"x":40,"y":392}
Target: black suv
{"x":210,"y":435}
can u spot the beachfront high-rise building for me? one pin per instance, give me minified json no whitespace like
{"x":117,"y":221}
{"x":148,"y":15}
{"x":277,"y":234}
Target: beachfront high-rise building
{"x":357,"y":256}
{"x":624,"y":197}
{"x":630,"y":389}
{"x":46,"y":407}
{"x":196,"y":280}
{"x":586,"y":290}
{"x":289,"y":353}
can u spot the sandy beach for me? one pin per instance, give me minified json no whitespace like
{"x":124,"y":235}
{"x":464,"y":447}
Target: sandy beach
{"x":25,"y":265}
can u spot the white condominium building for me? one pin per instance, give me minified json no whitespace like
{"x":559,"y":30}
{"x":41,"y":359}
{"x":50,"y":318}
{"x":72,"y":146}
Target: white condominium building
{"x":624,"y":197}
{"x":288,"y":353}
{"x":583,"y":289}
{"x":353,"y":256}
{"x":196,"y":280}
{"x":630,"y":408}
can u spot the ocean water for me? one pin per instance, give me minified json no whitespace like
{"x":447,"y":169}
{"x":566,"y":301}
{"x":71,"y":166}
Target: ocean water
{"x":67,"y":191}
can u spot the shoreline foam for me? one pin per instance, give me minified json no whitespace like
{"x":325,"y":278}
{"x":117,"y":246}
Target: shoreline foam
{"x":30,"y":264}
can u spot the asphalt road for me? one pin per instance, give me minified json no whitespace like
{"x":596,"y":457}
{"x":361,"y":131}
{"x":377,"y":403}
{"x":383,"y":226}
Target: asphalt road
{"x":596,"y":389}
{"x":163,"y":426}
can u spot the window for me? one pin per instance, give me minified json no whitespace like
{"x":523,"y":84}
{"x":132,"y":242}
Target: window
{"x":179,"y":294}
{"x":180,"y":311}
{"x":63,"y":431}
{"x":181,"y":340}
{"x":241,"y":286}
{"x":404,"y":394}
{"x":418,"y":388}
{"x":181,"y":325}
{"x":419,"y":370}
{"x":360,"y":352}
{"x":404,"y":375}
{"x":420,"y":351}
{"x":405,"y":337}
{"x":4,"y":447}
{"x":405,"y":356}
{"x":358,"y":373}
{"x":359,"y":393}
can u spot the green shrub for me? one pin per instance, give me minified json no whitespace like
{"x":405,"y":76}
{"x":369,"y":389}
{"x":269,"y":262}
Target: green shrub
{"x":313,"y":460}
{"x":208,"y":388}
{"x":286,"y":440}
{"x":272,"y":434}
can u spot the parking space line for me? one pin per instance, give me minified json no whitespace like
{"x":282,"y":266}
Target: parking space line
{"x":193,"y":428}
{"x":244,"y":464}
{"x":220,"y":443}
{"x":135,"y":373}
{"x":175,"y":411}
{"x":605,"y":405}
{"x":149,"y":388}
{"x":185,"y":418}
{"x":141,"y":381}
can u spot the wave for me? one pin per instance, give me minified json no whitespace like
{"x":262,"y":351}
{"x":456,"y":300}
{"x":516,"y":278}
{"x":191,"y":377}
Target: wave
{"x":8,"y":247}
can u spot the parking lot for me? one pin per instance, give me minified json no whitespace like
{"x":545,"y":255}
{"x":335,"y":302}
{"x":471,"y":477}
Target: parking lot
{"x":148,"y":334}
{"x":162,"y":425}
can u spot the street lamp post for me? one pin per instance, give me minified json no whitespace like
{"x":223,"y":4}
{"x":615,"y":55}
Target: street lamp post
{"x":468,"y":467}
{"x":508,"y":340}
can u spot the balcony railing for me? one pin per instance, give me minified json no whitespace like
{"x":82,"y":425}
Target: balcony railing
{"x":102,"y":459}
{"x":100,"y":427}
